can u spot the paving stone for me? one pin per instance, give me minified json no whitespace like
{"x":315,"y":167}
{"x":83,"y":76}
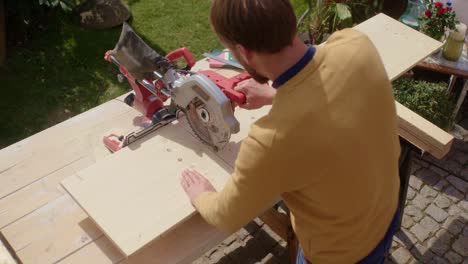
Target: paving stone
{"x":216,"y":256}
{"x":439,"y":260}
{"x":269,"y":259}
{"x":415,"y":212}
{"x":415,"y":167}
{"x":236,"y":244}
{"x":415,"y":182}
{"x":438,"y":214}
{"x":202,"y":260}
{"x":461,"y":245}
{"x":252,"y":227}
{"x":454,"y":210}
{"x":460,"y":157}
{"x":395,"y":245}
{"x":421,"y":253}
{"x":420,"y":201}
{"x":453,"y":257}
{"x":464,"y":173}
{"x":427,"y":191}
{"x":259,"y":222}
{"x":420,"y":232}
{"x":453,"y":193}
{"x":453,"y":225}
{"x":272,"y":234}
{"x":418,"y":160}
{"x":458,"y":183}
{"x":442,"y":202}
{"x":279,"y":250}
{"x":267,"y":240}
{"x":407,"y":221}
{"x":401,"y":255}
{"x":463,"y":205}
{"x":439,"y":171}
{"x":441,"y":184}
{"x":453,"y":166}
{"x":440,"y":244}
{"x":410,"y":194}
{"x":464,"y":218}
{"x":428,"y":223}
{"x":406,"y":238}
{"x":428,"y":176}
{"x":228,"y":241}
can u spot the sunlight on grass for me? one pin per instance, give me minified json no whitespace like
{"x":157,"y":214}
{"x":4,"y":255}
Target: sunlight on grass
{"x":62,"y":72}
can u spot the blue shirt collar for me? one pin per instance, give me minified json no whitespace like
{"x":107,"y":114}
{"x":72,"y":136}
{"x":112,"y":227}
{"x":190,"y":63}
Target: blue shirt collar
{"x":295,"y":69}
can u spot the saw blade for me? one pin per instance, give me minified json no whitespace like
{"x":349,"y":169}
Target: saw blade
{"x":202,"y":122}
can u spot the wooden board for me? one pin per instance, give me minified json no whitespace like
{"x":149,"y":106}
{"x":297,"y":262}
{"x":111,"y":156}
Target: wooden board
{"x":401,"y":48}
{"x":147,"y":190}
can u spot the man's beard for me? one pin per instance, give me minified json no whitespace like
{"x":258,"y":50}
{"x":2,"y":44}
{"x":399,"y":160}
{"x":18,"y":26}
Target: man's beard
{"x":256,"y":76}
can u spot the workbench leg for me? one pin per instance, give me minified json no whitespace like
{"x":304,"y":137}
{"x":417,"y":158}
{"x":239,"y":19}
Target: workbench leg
{"x":461,"y":98}
{"x":406,"y":157}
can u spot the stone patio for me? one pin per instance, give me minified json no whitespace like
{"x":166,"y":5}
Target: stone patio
{"x":434,"y":228}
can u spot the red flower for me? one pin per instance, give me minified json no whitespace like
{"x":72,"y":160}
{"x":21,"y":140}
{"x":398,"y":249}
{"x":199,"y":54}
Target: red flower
{"x":428,"y":13}
{"x":449,"y":9}
{"x":442,"y":11}
{"x":439,"y":5}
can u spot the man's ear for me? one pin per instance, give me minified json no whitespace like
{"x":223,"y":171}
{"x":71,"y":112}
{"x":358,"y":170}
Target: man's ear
{"x":245,"y":53}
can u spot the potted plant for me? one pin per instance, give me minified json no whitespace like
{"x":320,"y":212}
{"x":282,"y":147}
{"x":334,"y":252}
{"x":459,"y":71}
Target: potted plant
{"x":437,"y":19}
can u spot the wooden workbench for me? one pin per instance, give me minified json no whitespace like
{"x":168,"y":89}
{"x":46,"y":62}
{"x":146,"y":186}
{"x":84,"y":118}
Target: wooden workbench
{"x":42,"y":224}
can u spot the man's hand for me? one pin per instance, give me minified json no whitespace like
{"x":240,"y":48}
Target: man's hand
{"x":257,"y":95}
{"x":195,"y":184}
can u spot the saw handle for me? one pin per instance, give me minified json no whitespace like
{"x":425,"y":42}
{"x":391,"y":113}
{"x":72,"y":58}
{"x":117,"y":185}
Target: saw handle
{"x":227,"y":85}
{"x":179,"y":53}
{"x":235,"y":96}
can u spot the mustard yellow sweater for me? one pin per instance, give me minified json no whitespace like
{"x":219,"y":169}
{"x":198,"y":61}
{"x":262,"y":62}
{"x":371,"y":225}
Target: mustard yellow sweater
{"x":329,"y":147}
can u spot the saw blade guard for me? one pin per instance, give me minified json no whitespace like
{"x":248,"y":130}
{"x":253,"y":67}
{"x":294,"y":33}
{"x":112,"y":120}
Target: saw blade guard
{"x":136,"y":56}
{"x":215,"y":121}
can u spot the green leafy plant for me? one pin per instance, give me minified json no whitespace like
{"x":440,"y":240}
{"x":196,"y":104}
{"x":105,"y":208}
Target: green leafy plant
{"x":430,"y":100}
{"x":323,"y":17}
{"x":437,"y":19}
{"x":66,"y":5}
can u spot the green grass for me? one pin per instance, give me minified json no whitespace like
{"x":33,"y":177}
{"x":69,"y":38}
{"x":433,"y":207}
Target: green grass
{"x":62,"y":72}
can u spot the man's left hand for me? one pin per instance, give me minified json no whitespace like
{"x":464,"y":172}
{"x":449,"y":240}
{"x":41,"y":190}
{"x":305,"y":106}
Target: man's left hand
{"x":195,"y":184}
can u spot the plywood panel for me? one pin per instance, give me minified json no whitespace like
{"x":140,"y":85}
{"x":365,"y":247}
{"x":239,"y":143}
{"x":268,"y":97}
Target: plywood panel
{"x":399,"y":46}
{"x":183,"y":244}
{"x":143,"y":180}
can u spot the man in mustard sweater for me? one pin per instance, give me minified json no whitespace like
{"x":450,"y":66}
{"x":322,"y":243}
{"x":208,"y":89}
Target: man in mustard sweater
{"x":328,"y":147}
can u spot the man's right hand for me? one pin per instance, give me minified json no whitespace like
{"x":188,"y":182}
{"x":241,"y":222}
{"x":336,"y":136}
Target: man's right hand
{"x":256,"y":94}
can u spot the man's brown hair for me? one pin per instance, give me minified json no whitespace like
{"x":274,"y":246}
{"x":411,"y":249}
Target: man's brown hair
{"x":259,"y":25}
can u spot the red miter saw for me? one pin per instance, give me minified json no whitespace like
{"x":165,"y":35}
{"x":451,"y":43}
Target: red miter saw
{"x":204,"y":97}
